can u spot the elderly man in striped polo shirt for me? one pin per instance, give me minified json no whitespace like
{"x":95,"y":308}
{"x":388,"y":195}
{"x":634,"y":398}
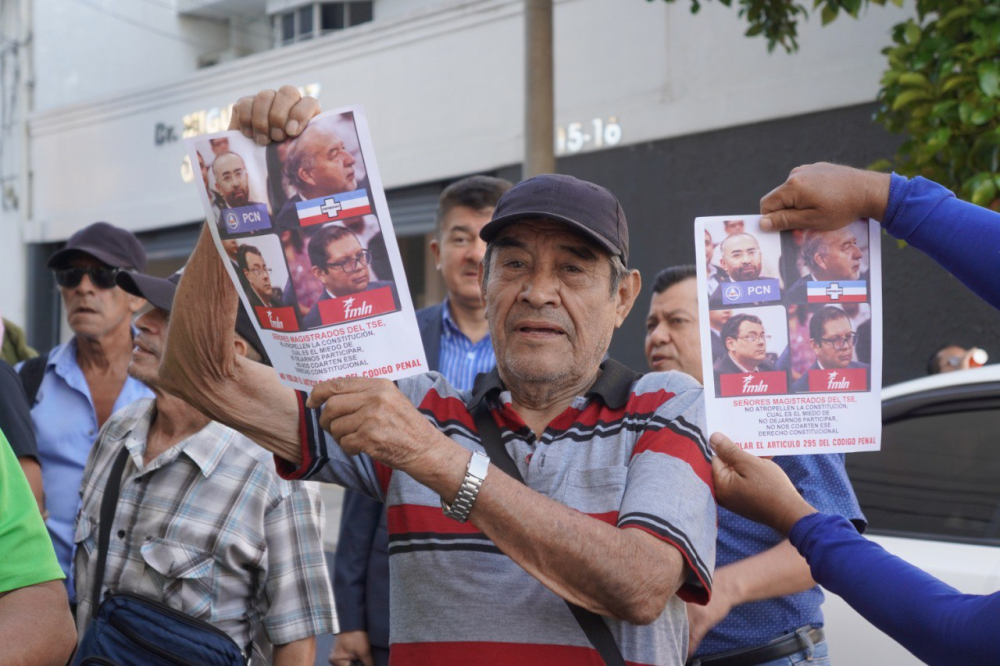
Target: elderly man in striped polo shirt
{"x":616,"y":514}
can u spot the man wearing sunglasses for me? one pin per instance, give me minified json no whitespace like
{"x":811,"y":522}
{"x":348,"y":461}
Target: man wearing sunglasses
{"x":341,"y":265}
{"x":84,"y":380}
{"x":833,"y":342}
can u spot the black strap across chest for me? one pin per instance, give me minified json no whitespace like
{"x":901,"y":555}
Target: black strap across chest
{"x":108,"y":505}
{"x":593,"y":625}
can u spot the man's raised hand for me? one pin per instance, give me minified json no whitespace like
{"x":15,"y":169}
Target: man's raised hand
{"x":754,"y":488}
{"x":373,"y":416}
{"x":273,"y":115}
{"x":824,"y":197}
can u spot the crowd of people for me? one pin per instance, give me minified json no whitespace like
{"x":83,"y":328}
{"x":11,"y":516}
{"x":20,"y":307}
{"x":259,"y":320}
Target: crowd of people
{"x":530,"y":500}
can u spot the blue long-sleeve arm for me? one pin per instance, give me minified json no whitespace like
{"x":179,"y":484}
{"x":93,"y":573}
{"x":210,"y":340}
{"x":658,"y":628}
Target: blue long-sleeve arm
{"x":962,"y":237}
{"x":934,"y":621}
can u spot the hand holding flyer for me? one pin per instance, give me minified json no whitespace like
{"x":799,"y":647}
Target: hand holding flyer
{"x":305,"y":234}
{"x":793,"y":322}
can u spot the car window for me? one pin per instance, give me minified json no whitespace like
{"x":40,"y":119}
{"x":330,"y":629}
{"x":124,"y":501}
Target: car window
{"x":937,"y":475}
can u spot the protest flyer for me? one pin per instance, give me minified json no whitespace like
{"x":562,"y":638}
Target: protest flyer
{"x":791,"y":335}
{"x":304,"y":231}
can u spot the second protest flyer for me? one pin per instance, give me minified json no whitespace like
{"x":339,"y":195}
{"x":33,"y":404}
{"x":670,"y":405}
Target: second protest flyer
{"x":304,"y":231}
{"x":793,"y":322}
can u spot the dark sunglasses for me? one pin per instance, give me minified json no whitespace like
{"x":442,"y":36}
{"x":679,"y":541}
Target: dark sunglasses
{"x":101,"y":277}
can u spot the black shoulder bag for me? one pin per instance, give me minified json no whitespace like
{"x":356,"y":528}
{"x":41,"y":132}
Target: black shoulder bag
{"x":130,"y":629}
{"x":593,"y":625}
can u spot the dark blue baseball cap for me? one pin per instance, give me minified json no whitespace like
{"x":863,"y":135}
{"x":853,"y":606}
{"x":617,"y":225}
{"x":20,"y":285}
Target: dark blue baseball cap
{"x":587,"y":208}
{"x":116,"y":247}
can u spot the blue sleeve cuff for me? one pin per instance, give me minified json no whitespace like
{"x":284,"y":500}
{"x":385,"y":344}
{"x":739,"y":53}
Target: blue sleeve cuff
{"x":897,"y":187}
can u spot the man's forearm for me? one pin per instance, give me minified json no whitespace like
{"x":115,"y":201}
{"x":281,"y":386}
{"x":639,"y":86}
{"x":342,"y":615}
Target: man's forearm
{"x":776,"y":572}
{"x":297,"y":653}
{"x":201,"y":366}
{"x":199,"y":350}
{"x":36,"y":626}
{"x":622,"y":573}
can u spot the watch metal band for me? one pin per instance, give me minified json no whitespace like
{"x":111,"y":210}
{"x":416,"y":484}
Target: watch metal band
{"x":475,"y":474}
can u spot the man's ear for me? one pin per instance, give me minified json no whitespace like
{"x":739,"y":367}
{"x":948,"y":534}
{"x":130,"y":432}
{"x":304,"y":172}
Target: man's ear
{"x":317,"y":272}
{"x":240,"y":345}
{"x":820,"y":260}
{"x":435,"y":246}
{"x":730,"y":344}
{"x":628,"y":291}
{"x":135,"y":303}
{"x":305,"y":175}
{"x":814,"y":346}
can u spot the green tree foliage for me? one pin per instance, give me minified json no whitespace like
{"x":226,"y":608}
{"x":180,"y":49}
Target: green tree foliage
{"x":942,"y":90}
{"x":778,"y":20}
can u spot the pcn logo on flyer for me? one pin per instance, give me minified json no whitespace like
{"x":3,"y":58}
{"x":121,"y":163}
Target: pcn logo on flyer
{"x":753,"y":383}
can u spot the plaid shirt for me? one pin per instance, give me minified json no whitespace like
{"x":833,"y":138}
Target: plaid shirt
{"x":207,"y":528}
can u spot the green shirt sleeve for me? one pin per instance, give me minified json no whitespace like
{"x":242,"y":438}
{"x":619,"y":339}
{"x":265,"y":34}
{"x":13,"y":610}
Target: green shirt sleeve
{"x":26,"y":553}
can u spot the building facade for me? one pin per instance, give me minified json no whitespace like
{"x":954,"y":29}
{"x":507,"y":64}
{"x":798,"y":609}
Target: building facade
{"x":679,"y":114}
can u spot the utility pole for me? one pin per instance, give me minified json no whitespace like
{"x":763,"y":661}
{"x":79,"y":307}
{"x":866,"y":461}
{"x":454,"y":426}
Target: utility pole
{"x":539,"y":114}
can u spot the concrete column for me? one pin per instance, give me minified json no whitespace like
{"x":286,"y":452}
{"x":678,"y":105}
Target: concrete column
{"x":539,"y":115}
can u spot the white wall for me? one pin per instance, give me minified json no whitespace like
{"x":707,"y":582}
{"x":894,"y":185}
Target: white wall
{"x":443,"y":87}
{"x":88,"y":49}
{"x":14,"y":25}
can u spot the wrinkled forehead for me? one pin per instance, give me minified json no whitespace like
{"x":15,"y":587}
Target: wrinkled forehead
{"x":535,"y":234}
{"x":748,"y":327}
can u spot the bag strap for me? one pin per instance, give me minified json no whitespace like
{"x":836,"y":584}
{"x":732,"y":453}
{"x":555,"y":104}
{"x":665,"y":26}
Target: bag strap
{"x":32,"y":373}
{"x":109,"y":503}
{"x":593,"y":625}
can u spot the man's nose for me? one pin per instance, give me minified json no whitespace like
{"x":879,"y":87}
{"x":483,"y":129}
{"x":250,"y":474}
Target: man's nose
{"x":349,"y":160}
{"x":85,"y":284}
{"x":541,"y":288}
{"x":660,"y":335}
{"x":477,"y":250}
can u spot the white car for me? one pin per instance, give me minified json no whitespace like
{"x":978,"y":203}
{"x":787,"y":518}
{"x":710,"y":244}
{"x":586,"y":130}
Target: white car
{"x":931,"y":496}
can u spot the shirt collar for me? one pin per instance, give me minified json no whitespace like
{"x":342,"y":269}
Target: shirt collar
{"x":205,"y":448}
{"x":613,"y":385}
{"x":64,"y":357}
{"x":447,"y":323}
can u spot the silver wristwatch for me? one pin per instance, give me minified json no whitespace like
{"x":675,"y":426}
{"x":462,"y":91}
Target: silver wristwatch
{"x":475,"y":474}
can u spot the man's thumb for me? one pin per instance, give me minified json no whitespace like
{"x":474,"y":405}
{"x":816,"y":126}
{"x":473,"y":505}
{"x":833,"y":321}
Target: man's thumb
{"x":724,"y":447}
{"x":782,"y":220}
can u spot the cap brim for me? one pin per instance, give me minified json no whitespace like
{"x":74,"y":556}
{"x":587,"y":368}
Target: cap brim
{"x":493,"y":228}
{"x":158,"y":291}
{"x":60,"y":257}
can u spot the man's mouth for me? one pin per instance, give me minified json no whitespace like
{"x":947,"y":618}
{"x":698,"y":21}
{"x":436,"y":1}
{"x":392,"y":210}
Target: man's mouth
{"x":84,"y":310}
{"x":660,"y":359}
{"x":540,"y":329}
